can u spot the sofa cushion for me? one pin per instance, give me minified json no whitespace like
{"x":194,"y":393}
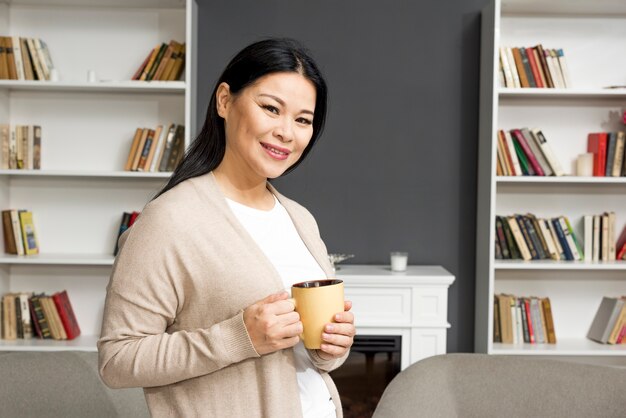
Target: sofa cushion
{"x":62,"y":384}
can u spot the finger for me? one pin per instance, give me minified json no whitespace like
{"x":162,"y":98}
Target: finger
{"x":274,"y":297}
{"x":281,"y":307}
{"x":290,"y":331}
{"x":347,"y":317}
{"x":288,"y":318}
{"x":338,"y":340}
{"x":340,"y":329}
{"x":334,"y":350}
{"x":347,"y":305}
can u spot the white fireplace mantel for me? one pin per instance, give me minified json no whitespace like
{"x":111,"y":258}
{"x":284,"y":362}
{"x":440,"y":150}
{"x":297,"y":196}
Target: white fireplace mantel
{"x":411,"y":304}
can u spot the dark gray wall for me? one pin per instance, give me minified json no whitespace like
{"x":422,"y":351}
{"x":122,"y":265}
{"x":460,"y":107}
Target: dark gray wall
{"x":396,"y":166}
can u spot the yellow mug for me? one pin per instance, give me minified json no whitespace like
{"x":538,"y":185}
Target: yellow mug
{"x":317,"y":302}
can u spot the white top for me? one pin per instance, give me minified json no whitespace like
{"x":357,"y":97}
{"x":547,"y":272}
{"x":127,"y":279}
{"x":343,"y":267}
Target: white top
{"x":275,"y":233}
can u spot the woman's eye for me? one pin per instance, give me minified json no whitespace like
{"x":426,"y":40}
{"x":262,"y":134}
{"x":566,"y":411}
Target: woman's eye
{"x":304,"y":121}
{"x":271,"y":108}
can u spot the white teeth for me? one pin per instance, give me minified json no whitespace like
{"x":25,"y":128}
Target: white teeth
{"x":274,"y":150}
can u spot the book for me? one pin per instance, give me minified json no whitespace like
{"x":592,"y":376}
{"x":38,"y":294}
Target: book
{"x":526,"y":64}
{"x":9,"y":317}
{"x":145,"y":152}
{"x":588,"y":238}
{"x":497,"y":338}
{"x":7,"y":232}
{"x":527,"y":151}
{"x":5,"y":139}
{"x":564,"y":68}
{"x":133,"y":149}
{"x":66,"y":314}
{"x":619,"y":154}
{"x":153,"y":147}
{"x":28,"y":64}
{"x":504,"y":63}
{"x":25,"y":325}
{"x":142,"y":67}
{"x":611,"y":142}
{"x":36,"y":147}
{"x":537,"y":152}
{"x":156,"y":62}
{"x":31,"y":246}
{"x":17,"y":232}
{"x":544,"y":66}
{"x":167,"y":148}
{"x":534,"y":68}
{"x":596,"y":144}
{"x":548,"y":152}
{"x":519,"y":238}
{"x":158,"y":153}
{"x":619,"y":323}
{"x":38,"y":313}
{"x":516,"y":169}
{"x":177,"y":148}
{"x":148,"y":66}
{"x":547,"y":310}
{"x":605,"y":318}
{"x":139,"y":150}
{"x":123,"y":227}
{"x":511,"y":60}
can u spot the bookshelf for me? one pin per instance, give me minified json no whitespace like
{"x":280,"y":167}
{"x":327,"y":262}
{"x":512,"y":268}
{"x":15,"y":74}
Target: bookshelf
{"x":81,"y":191}
{"x":590,"y":33}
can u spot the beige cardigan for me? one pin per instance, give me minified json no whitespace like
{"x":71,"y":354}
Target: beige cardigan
{"x":173,"y":317}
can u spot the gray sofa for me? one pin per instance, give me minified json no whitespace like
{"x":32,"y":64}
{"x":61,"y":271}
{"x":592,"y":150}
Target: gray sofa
{"x":478,"y":385}
{"x":61,"y":384}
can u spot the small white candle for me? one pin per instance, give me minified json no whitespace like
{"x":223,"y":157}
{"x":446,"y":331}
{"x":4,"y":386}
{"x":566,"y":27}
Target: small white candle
{"x":399,"y":261}
{"x":584,"y":165}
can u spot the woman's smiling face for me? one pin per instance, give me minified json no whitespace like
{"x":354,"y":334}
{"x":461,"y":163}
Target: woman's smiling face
{"x":267,"y":124}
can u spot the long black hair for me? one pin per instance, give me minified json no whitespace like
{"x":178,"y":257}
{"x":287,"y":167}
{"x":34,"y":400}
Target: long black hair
{"x":251,"y":63}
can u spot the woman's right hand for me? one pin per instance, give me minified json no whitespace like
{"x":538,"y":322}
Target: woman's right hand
{"x":272,"y":323}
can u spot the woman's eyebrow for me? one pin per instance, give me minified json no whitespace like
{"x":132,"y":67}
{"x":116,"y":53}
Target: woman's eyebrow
{"x":281,"y":101}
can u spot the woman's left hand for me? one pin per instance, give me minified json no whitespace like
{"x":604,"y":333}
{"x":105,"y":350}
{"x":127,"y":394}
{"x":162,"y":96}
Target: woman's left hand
{"x":338,"y":337}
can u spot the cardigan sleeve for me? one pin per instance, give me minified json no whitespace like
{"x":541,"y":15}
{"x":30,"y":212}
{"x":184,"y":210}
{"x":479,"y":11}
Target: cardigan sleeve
{"x":143,"y":297}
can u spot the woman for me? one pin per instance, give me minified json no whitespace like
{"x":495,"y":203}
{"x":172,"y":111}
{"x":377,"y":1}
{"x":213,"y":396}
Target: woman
{"x":196,"y":310}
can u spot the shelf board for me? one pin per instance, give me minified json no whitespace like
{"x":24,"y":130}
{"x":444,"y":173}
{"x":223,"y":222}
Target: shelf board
{"x":130,"y":4}
{"x":559,"y":180}
{"x":558,"y":265}
{"x":85,"y":174}
{"x":564,"y":7}
{"x":129,"y":86}
{"x":80,"y":343}
{"x":564,"y":347}
{"x":59,"y":259}
{"x":561,"y":93}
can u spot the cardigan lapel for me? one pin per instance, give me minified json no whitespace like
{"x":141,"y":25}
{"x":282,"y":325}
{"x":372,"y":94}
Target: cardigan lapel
{"x":308,"y":236}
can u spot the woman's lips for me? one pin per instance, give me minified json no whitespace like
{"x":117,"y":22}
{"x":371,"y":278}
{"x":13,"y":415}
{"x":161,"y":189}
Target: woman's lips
{"x":275,"y":152}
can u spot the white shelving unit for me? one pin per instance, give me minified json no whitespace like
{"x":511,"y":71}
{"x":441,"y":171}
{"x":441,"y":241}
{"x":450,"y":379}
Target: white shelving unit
{"x":80,"y":193}
{"x":591,"y":33}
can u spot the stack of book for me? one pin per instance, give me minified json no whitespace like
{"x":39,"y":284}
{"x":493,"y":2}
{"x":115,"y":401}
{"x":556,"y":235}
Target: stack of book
{"x":527,"y":237}
{"x":609,"y":324}
{"x":28,"y":315}
{"x":533,"y":67}
{"x":165,"y":63}
{"x":128,"y":219}
{"x":609,"y":158}
{"x":157,"y":149}
{"x":24,"y":59}
{"x":21,"y":147}
{"x":526,"y":152}
{"x":600,"y":238}
{"x":19,"y":232}
{"x":519,"y":320}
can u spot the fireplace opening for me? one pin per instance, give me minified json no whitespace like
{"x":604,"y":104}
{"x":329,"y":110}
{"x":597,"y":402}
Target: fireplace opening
{"x":373,"y":362}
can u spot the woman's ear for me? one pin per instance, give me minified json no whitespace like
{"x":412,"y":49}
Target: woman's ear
{"x":222,"y":99}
